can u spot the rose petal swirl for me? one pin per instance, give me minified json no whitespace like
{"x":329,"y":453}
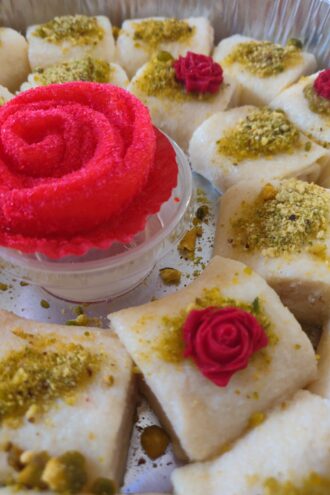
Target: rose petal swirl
{"x":322,"y":84}
{"x":222,"y":341}
{"x":74,"y":158}
{"x":199,"y":73}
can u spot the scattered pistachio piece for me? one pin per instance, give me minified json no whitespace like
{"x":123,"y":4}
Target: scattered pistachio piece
{"x":154,"y":441}
{"x":170,"y":276}
{"x":103,"y":486}
{"x":31,"y":474}
{"x":66,"y":473}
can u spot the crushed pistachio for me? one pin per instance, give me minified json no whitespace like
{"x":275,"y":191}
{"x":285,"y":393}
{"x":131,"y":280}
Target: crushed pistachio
{"x":264,"y":58}
{"x":256,"y":419}
{"x":115,"y":32}
{"x":170,"y":276}
{"x":263,"y":132}
{"x":109,"y":380}
{"x":32,"y":375}
{"x":169,"y":346}
{"x":154,"y":441}
{"x":316,"y":103}
{"x":14,"y":457}
{"x":31,"y":474}
{"x":23,"y":284}
{"x":187,"y":245}
{"x":282,"y":220}
{"x":86,"y":69}
{"x":158,"y":79}
{"x":66,"y":473}
{"x":295,"y":42}
{"x":77,"y":29}
{"x":3,"y":286}
{"x":156,"y":31}
{"x":313,"y":484}
{"x":44,"y":304}
{"x":202,"y":212}
{"x":103,"y":486}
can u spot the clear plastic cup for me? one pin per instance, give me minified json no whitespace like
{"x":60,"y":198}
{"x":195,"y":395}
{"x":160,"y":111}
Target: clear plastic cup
{"x":102,"y":274}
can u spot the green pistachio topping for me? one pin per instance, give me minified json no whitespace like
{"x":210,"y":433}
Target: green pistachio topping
{"x":264,"y":58}
{"x":264,"y":132}
{"x":103,"y":486}
{"x":36,"y":374}
{"x":313,"y":484}
{"x":66,"y":473}
{"x":77,"y":29}
{"x":316,"y":103}
{"x":155,"y":31}
{"x":170,"y":276}
{"x":283,"y":219}
{"x":170,"y":346}
{"x":87,"y":69}
{"x":158,"y":79}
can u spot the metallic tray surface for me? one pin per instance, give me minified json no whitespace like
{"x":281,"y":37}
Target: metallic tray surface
{"x":278,"y":20}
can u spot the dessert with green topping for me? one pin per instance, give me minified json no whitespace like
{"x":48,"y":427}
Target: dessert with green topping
{"x":283,"y":219}
{"x":264,"y":132}
{"x":87,"y":69}
{"x":264,"y":58}
{"x":152,"y":32}
{"x":316,"y":103}
{"x":77,"y":29}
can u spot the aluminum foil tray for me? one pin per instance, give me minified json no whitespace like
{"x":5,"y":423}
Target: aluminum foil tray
{"x":278,"y":20}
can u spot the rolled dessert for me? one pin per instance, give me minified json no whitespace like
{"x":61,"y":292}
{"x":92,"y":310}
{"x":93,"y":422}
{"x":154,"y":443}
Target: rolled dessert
{"x":66,"y":404}
{"x":297,"y":433}
{"x":209,"y":352}
{"x":70,"y":37}
{"x":262,"y":68}
{"x":86,"y":69}
{"x":249,"y":143}
{"x":281,"y":230}
{"x":140,"y":39}
{"x":14,"y":60}
{"x":178,"y":94}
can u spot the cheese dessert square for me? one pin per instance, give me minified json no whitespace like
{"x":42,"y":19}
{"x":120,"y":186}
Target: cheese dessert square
{"x":70,"y":38}
{"x":251,"y":143}
{"x":262,"y":68}
{"x":173,"y":109}
{"x":209,"y":352}
{"x":86,"y":69}
{"x":281,"y":230}
{"x":66,"y":403}
{"x":321,"y":386}
{"x":14,"y":60}
{"x":287,"y":454}
{"x":310,"y":111}
{"x":139,"y":39}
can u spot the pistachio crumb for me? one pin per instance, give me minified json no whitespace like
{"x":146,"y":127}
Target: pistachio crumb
{"x":154,"y":441}
{"x":170,"y":276}
{"x":44,"y":304}
{"x":154,"y":31}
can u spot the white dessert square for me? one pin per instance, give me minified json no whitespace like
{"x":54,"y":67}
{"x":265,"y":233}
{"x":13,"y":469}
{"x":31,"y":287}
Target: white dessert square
{"x":265,"y":73}
{"x":201,"y":416}
{"x":172,"y":109}
{"x":227,"y":148}
{"x":70,"y":38}
{"x":288,"y":453}
{"x":73,"y":391}
{"x":86,"y":69}
{"x":281,"y":230}
{"x":139,"y":38}
{"x":13,"y":58}
{"x":294,"y":101}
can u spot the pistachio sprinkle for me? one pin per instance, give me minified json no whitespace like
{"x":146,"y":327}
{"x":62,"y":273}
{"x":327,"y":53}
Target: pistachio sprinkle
{"x":32,"y":375}
{"x":263,"y":132}
{"x":77,"y":29}
{"x":87,"y":69}
{"x":312,"y":484}
{"x":264,"y":58}
{"x":156,"y":31}
{"x":316,"y":103}
{"x":283,"y":219}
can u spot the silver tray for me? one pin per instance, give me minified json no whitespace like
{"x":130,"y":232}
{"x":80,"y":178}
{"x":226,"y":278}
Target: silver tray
{"x":278,"y":20}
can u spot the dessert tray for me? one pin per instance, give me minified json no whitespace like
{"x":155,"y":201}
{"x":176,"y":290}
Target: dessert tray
{"x":190,"y":227}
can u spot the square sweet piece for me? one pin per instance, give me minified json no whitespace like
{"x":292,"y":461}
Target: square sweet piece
{"x":139,"y":39}
{"x":209,"y":399}
{"x":86,"y":69}
{"x":309,"y":112}
{"x":247,"y":143}
{"x":172,"y":109}
{"x":63,"y":390}
{"x":262,"y":68}
{"x":70,"y":38}
{"x":287,"y":454}
{"x":14,"y":60}
{"x":281,"y":229}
